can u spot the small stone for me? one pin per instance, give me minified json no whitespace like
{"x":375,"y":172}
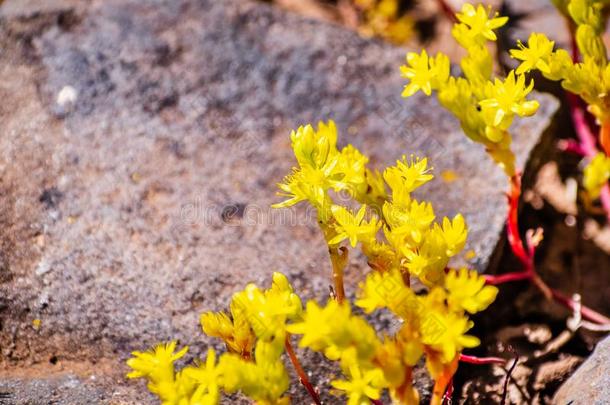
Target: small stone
{"x":43,"y":268}
{"x":67,"y":96}
{"x":66,"y":100}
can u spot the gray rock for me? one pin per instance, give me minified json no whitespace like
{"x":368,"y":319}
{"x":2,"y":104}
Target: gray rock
{"x":590,"y":384}
{"x":163,"y":168}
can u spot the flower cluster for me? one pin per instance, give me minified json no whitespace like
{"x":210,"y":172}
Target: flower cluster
{"x":400,"y":231}
{"x":484,"y":105}
{"x":589,"y":79}
{"x":192,"y":385}
{"x":400,"y":239}
{"x":254,"y":335}
{"x":434,"y":324}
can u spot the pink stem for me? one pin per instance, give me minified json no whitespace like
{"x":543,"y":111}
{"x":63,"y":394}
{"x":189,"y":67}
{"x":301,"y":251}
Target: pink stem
{"x":507,"y":277}
{"x":464,"y":358}
{"x":585,"y":135}
{"x":585,"y":311}
{"x":512,"y":224}
{"x":570,"y":145}
{"x":588,"y":143}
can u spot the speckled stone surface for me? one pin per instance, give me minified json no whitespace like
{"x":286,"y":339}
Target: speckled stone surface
{"x":141,"y":144}
{"x":590,"y":384}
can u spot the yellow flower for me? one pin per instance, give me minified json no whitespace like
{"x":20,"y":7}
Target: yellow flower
{"x":506,"y":98}
{"x":376,"y":191}
{"x":386,"y":19}
{"x":445,"y":333}
{"x":389,"y":357}
{"x":322,"y":168}
{"x":597,"y":174}
{"x":267,"y":311}
{"x":428,"y":262}
{"x":535,"y":55}
{"x":477,"y":66}
{"x":264,"y":379}
{"x":156,"y":362}
{"x":361,"y":386}
{"x":591,"y":44}
{"x":317,"y":155}
{"x":480,"y":26}
{"x":351,"y":227}
{"x":352,"y":164}
{"x":157,"y":366}
{"x":467,"y":291}
{"x":587,"y":12}
{"x":236,"y":332}
{"x":206,"y":376}
{"x":315,"y":148}
{"x":385,"y":290}
{"x":318,"y":324}
{"x":255,"y":314}
{"x":337,"y":333}
{"x":407,"y":224}
{"x":424,"y":73}
{"x":408,"y":175}
{"x":396,"y":358}
{"x":455,"y":234}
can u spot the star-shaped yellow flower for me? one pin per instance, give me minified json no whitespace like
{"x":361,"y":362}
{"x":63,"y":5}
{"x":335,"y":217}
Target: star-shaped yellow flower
{"x":506,"y":98}
{"x":425,"y":73}
{"x":535,"y":55}
{"x":479,"y":23}
{"x":352,"y":227}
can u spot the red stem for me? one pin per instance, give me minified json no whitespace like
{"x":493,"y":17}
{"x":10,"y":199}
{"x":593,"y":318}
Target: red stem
{"x":512,"y":225}
{"x":301,"y":373}
{"x":586,"y":312}
{"x":526,"y":257}
{"x":588,"y":140}
{"x":579,"y":119}
{"x":464,"y":358}
{"x":507,"y":277}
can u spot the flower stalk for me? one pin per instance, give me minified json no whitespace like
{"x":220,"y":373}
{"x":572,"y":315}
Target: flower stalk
{"x":525,"y":252}
{"x":464,"y":358}
{"x":300,"y":372}
{"x":338,"y":258}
